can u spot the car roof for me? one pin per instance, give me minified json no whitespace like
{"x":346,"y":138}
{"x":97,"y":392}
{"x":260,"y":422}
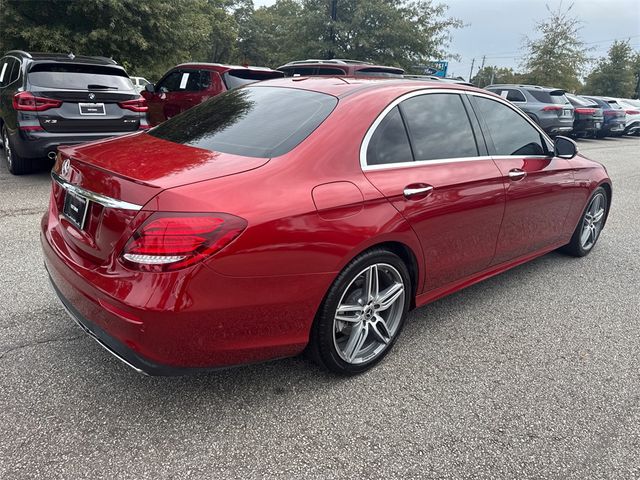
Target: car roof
{"x":63,"y":57}
{"x":342,"y":62}
{"x":222,"y":67}
{"x":532,"y":87}
{"x":341,"y":86}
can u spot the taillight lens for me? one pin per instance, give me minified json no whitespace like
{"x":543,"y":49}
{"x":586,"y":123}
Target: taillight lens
{"x":552,"y":108}
{"x":170,"y":241}
{"x":27,"y":102}
{"x":632,"y":112}
{"x":135,"y":105}
{"x":613,"y":113}
{"x":586,"y":111}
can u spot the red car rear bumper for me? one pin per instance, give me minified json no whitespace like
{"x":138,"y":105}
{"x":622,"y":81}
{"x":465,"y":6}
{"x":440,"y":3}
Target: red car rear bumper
{"x":213,"y":320}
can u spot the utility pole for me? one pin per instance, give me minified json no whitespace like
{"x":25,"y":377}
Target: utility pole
{"x":482,"y":68}
{"x":473,"y":62}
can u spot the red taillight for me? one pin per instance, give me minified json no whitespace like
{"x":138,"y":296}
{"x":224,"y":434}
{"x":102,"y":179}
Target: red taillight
{"x":585,"y":111}
{"x":632,"y":112}
{"x":168,"y":241}
{"x":552,"y":108}
{"x":135,"y":105}
{"x":613,"y":113}
{"x":27,"y":102}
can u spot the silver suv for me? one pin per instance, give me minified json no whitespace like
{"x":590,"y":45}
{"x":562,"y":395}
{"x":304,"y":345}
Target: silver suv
{"x":548,"y":107}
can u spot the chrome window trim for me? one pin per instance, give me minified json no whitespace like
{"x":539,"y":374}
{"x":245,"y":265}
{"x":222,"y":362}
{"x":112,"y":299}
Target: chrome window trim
{"x":95,"y":197}
{"x":419,"y":163}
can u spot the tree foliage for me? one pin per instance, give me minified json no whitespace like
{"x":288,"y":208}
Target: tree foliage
{"x":149,"y":36}
{"x":557,"y":58}
{"x":492,"y":74}
{"x":615,"y":75}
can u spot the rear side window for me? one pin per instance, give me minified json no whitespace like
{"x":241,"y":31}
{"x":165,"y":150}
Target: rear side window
{"x":390,"y":142}
{"x":511,"y":95}
{"x":9,"y":71}
{"x":253,"y":121}
{"x":4,"y":71}
{"x":79,"y":77}
{"x":439,"y":127}
{"x":511,"y":134}
{"x":237,"y":78}
{"x":186,"y":81}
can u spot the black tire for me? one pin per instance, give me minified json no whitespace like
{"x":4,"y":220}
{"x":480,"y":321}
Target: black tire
{"x":16,"y":164}
{"x":327,"y":332}
{"x":577,"y":247}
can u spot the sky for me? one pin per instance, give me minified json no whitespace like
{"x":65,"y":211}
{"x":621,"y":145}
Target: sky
{"x":497,"y":28}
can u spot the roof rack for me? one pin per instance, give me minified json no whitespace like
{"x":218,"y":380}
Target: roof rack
{"x":20,"y":52}
{"x":333,"y":61}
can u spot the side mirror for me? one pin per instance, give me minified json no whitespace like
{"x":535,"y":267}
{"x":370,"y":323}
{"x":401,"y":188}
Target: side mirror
{"x":565,"y":148}
{"x":150,"y":87}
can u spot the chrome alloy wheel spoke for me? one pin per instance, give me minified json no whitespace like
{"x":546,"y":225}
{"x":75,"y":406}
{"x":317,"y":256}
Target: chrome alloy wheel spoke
{"x":592,"y":223}
{"x":369,"y":313}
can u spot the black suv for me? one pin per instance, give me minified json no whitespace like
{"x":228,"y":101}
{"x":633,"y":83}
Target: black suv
{"x":47,"y":100}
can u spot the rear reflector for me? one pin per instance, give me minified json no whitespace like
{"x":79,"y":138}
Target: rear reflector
{"x":31,"y":128}
{"x":170,"y":241}
{"x":135,"y":105}
{"x":552,"y":108}
{"x":26,"y":101}
{"x":586,"y":111}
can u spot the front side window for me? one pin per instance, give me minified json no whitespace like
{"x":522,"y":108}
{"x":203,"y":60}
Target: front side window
{"x":252,"y":121}
{"x":510,"y":132}
{"x":439,"y":127}
{"x":390,"y":142}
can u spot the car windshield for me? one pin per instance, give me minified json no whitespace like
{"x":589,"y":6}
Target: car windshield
{"x":237,"y":78}
{"x":252,"y":121}
{"x":79,"y":77}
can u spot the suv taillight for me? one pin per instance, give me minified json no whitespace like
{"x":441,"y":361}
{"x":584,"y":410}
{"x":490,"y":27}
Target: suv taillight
{"x":27,"y":102}
{"x":585,"y":111}
{"x":632,"y":112}
{"x":170,"y":241}
{"x":552,"y":108}
{"x":135,"y":105}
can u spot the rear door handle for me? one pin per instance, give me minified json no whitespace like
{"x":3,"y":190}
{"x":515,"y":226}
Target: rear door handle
{"x":417,"y":191}
{"x":516,"y":174}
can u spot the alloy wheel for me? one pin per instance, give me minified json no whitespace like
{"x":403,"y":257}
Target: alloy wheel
{"x":369,"y":313}
{"x":593,"y":220}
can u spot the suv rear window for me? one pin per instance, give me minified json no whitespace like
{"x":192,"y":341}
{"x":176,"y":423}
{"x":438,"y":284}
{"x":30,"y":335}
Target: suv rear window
{"x":253,"y":121}
{"x":380,"y":72}
{"x":237,"y":78}
{"x":553,"y":96}
{"x":79,"y":77}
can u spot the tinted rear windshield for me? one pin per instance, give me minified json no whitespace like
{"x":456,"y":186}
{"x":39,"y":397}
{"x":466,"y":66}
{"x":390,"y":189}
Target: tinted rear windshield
{"x":252,"y":121}
{"x":380,"y":72}
{"x":79,"y":77}
{"x":581,"y":101}
{"x":238,"y":78}
{"x":554,"y":96}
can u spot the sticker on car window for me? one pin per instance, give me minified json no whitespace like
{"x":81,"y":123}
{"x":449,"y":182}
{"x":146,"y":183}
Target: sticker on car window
{"x":4,"y":69}
{"x":504,"y":93}
{"x":184,"y":80}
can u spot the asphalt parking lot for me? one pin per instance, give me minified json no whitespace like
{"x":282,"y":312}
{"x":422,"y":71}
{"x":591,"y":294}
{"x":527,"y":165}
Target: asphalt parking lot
{"x":531,"y":374}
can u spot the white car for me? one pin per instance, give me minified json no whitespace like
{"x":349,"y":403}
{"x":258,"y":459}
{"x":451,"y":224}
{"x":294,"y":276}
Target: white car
{"x":139,"y":82}
{"x":632,"y":107}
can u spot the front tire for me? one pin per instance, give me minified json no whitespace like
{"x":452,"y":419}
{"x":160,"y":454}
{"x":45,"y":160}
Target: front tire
{"x":362,"y":314}
{"x":590,"y":225}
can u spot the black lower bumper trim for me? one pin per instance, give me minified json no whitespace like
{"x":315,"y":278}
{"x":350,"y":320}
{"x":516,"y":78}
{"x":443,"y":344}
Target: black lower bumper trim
{"x":120,"y":351}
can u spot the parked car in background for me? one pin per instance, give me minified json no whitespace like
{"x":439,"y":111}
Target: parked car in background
{"x":548,"y":107}
{"x":292,"y":215}
{"x":458,"y":81}
{"x":139,"y":83}
{"x":189,"y":84}
{"x":338,"y":67}
{"x":615,"y":118}
{"x":588,"y":117}
{"x":50,"y":99}
{"x":632,"y":109}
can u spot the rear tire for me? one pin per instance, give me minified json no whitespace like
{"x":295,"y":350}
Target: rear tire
{"x":590,"y":226}
{"x":16,"y":164}
{"x":362,"y":313}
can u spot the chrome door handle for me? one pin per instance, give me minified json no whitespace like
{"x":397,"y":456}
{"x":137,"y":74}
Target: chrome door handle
{"x":420,"y":190}
{"x":517,"y":174}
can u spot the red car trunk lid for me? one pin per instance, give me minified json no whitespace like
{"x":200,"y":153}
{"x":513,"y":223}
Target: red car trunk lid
{"x":118,"y":177}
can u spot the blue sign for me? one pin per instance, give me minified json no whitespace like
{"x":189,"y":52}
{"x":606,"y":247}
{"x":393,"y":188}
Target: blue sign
{"x":437,"y":69}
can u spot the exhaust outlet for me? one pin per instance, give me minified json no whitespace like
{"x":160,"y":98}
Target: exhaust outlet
{"x":51,"y":155}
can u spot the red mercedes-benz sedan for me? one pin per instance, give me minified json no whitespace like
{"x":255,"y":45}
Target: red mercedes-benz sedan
{"x":306,"y":213}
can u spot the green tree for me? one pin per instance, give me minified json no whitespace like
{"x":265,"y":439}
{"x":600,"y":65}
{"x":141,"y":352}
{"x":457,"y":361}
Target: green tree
{"x":493,"y":74}
{"x":616,"y":74}
{"x":146,"y":36}
{"x":394,"y":32}
{"x":557,"y":58}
